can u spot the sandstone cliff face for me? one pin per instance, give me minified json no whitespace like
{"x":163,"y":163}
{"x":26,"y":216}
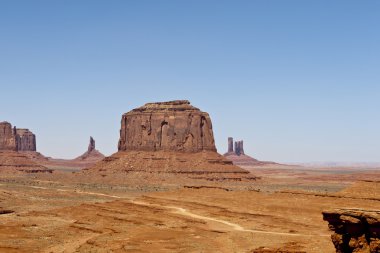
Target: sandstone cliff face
{"x":354,"y":230}
{"x":170,"y":126}
{"x":25,"y":140}
{"x":7,"y":137}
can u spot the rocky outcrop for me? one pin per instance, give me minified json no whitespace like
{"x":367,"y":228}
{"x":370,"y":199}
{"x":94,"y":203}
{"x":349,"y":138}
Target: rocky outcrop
{"x":25,"y":140}
{"x":355,"y":230}
{"x":170,"y":126}
{"x":7,"y":137}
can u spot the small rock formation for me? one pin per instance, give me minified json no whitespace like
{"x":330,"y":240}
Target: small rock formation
{"x":239,"y":158}
{"x":167,"y":142}
{"x":92,"y":155}
{"x":87,"y":159}
{"x":239,"y":147}
{"x":170,"y":126}
{"x":25,"y":140}
{"x":354,"y":230}
{"x":7,"y":137}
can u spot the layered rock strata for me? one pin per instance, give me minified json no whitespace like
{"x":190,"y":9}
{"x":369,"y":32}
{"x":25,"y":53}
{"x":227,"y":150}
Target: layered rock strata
{"x":162,"y":165}
{"x":12,"y":161}
{"x":354,"y":230}
{"x":170,"y":126}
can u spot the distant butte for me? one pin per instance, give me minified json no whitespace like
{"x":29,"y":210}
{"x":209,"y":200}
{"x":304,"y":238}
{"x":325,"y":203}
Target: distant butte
{"x":14,"y":147}
{"x":238,"y":156}
{"x":168,"y":140}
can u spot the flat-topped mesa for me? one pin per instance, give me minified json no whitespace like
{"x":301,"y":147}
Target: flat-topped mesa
{"x":169,"y":126}
{"x":25,"y":140}
{"x":7,"y":137}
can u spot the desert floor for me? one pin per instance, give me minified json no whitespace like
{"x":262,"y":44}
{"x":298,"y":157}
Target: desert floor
{"x":281,"y":212}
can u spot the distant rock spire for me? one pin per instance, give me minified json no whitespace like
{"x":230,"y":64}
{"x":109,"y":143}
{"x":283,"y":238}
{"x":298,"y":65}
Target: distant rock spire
{"x":230,"y":145}
{"x":91,"y":146}
{"x":239,"y":147}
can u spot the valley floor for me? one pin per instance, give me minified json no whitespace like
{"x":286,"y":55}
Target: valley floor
{"x":51,"y":216}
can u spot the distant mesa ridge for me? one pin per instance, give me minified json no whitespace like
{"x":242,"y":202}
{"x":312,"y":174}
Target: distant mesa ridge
{"x":16,"y":139}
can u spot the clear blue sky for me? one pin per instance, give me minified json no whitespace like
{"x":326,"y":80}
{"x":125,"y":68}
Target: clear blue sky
{"x":297,"y":80}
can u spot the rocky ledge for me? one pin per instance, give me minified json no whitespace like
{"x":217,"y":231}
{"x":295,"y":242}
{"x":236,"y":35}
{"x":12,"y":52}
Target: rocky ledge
{"x":355,"y":230}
